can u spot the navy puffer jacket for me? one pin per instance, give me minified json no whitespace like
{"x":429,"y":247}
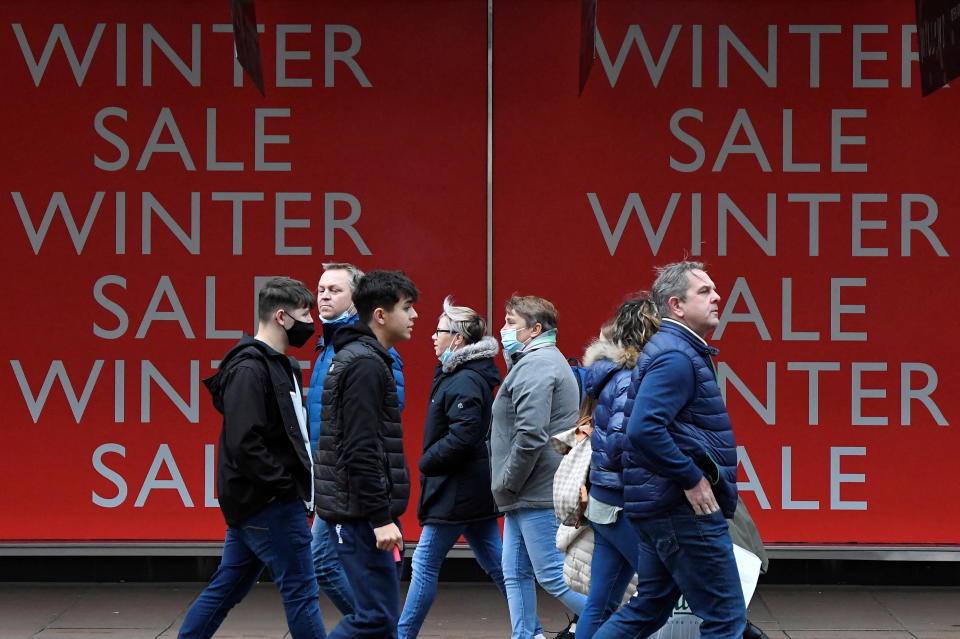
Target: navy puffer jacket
{"x":607,"y":379}
{"x":455,"y":466}
{"x":678,"y":429}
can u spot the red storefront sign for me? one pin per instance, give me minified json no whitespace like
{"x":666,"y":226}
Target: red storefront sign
{"x":148,"y":185}
{"x":786,"y":145}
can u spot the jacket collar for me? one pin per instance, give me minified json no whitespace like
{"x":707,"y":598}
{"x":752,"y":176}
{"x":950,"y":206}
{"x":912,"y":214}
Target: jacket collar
{"x":516,"y":357}
{"x":682,"y":330}
{"x":360,"y":332}
{"x":486,"y":347}
{"x":330,"y":328}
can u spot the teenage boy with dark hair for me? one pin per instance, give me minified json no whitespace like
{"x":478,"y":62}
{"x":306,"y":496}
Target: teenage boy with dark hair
{"x":362,"y":479}
{"x":264,"y":478}
{"x":336,"y":310}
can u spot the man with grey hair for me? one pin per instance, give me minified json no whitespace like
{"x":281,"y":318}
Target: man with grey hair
{"x":680,"y":469}
{"x":335,"y":308}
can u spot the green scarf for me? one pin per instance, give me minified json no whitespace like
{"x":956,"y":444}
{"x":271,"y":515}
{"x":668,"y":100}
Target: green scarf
{"x":547,"y":338}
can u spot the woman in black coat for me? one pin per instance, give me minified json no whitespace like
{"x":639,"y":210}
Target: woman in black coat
{"x":455,"y":496}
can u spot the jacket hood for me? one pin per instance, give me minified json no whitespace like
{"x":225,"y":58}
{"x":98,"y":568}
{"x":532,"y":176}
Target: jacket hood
{"x":486,"y":348}
{"x":621,"y":357}
{"x":235,"y":355}
{"x":358,"y":331}
{"x":602,"y":360}
{"x":487,"y":369}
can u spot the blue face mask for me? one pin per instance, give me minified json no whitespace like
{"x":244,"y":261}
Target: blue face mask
{"x":339,"y":318}
{"x":445,"y":355}
{"x":508,"y":339}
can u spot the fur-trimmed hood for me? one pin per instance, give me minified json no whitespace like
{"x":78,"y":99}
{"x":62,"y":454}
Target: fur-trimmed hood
{"x":487,"y":347}
{"x":602,"y":361}
{"x":618,"y":356}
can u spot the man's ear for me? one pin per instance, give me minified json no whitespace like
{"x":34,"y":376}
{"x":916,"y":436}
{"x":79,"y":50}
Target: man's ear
{"x":674,"y":304}
{"x":378,"y":316}
{"x":536,"y":329}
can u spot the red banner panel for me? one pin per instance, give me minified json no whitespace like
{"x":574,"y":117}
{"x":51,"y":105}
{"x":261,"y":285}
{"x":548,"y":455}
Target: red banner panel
{"x":785,"y":144}
{"x":148,"y":187}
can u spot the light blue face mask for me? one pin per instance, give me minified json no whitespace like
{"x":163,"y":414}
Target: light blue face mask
{"x":445,"y":355}
{"x":508,"y":339}
{"x":339,"y":318}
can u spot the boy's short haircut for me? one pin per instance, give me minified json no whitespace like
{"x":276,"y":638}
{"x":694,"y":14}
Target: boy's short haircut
{"x":283,"y":292}
{"x":534,"y":310}
{"x":382,"y":289}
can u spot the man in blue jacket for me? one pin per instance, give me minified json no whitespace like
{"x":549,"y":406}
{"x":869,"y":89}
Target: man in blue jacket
{"x":680,"y":469}
{"x":336,"y":310}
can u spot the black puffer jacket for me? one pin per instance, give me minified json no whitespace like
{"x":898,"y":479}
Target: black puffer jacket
{"x":262,"y":456}
{"x":455,"y":466}
{"x":361,"y":471}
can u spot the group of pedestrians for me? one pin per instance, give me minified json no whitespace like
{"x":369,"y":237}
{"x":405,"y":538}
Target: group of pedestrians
{"x":662,"y":480}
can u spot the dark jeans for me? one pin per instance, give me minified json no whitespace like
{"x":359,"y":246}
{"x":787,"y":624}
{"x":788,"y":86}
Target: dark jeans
{"x":374,"y":577}
{"x":681,"y":552}
{"x":331,"y":577}
{"x":278,"y":536}
{"x":616,"y":552}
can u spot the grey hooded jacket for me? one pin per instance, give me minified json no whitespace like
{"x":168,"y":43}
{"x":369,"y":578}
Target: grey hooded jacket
{"x":538,"y":398}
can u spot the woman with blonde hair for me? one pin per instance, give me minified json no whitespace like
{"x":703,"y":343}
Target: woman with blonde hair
{"x":455,"y":497}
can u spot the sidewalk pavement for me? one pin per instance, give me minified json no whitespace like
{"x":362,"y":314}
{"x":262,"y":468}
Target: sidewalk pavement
{"x":461,"y":610}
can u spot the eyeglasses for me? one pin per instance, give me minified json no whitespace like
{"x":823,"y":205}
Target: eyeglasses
{"x":444,"y":330}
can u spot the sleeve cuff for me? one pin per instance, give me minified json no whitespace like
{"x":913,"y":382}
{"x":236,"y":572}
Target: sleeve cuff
{"x":381,"y":518}
{"x":691,"y":476}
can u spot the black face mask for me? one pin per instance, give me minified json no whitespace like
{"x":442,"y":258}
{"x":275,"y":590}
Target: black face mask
{"x":299,"y":333}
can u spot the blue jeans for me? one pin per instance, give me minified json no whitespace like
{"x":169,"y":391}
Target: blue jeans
{"x":375,"y":579}
{"x":436,"y":540}
{"x":681,"y":552}
{"x":616,"y":554}
{"x":278,"y":536}
{"x":530,"y":550}
{"x":331,"y":577}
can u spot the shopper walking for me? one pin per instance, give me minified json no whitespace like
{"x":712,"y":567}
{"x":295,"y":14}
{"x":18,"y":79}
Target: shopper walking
{"x":455,"y":497}
{"x":538,"y":398}
{"x":610,"y":362}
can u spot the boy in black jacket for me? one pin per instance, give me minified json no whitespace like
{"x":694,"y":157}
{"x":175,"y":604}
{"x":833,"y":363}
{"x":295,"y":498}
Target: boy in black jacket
{"x":264,"y":477}
{"x":363,"y":481}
